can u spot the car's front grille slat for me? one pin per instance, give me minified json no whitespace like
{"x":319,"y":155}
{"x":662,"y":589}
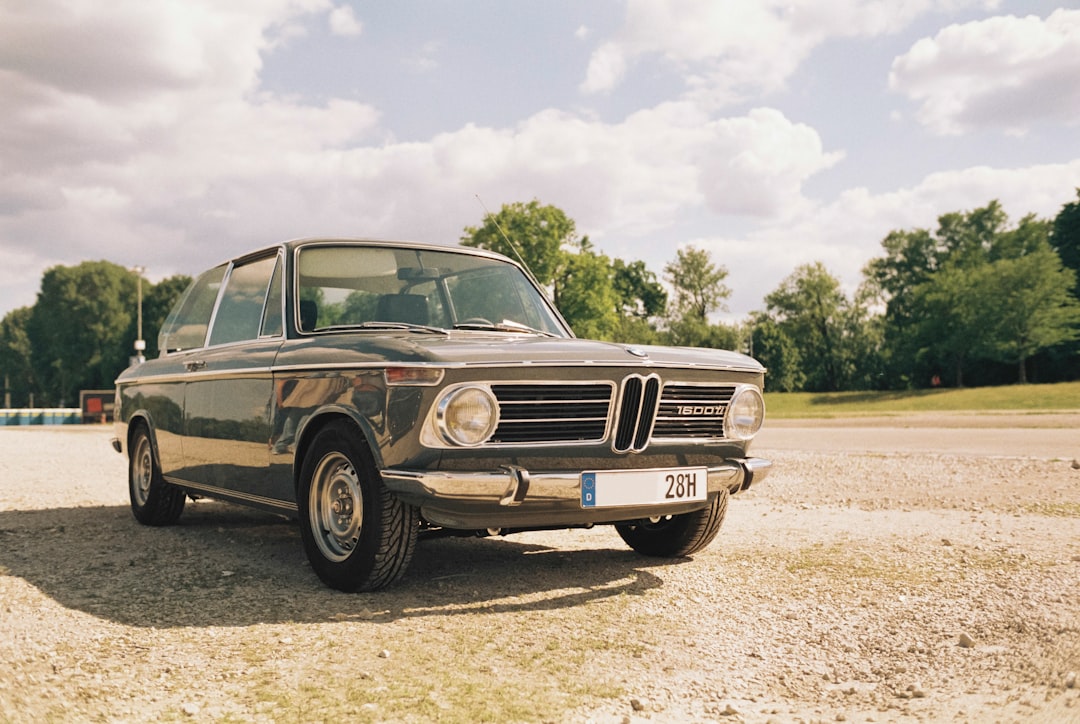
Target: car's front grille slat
{"x":692,"y":411}
{"x":537,"y":413}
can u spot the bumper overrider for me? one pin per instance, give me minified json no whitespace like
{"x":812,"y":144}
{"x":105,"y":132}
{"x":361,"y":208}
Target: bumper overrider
{"x":513,"y":497}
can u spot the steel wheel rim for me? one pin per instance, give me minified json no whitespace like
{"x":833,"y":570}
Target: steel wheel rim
{"x":142,"y":472}
{"x":336,"y":507}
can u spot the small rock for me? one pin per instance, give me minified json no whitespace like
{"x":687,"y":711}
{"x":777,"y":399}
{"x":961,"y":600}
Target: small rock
{"x":946,"y":542}
{"x":966,"y":642}
{"x":1070,"y":680}
{"x":637,"y":704}
{"x":384,"y":654}
{"x":1075,"y":464}
{"x":729,"y":710}
{"x":190,"y":709}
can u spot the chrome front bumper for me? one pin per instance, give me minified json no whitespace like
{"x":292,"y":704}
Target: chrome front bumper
{"x":514,"y":497}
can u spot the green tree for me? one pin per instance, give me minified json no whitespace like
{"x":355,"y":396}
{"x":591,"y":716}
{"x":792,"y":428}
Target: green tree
{"x":587,"y":295}
{"x":949,"y":331}
{"x":772,"y":346}
{"x":641,"y":301}
{"x":698,"y":284}
{"x":968,"y":239}
{"x":1065,"y":236}
{"x":640,"y":294}
{"x":936,"y":287}
{"x":16,"y":366}
{"x":698,"y":290}
{"x":1024,"y":305}
{"x":598,"y":297}
{"x":539,"y":235}
{"x":79,"y":329}
{"x":811,"y":309}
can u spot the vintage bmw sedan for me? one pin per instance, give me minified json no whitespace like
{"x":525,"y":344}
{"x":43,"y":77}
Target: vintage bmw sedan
{"x":377,"y":391}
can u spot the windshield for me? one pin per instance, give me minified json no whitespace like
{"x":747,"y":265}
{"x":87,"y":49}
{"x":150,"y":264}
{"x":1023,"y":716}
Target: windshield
{"x":395,"y":287}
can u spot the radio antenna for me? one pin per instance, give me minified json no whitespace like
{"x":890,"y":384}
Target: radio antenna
{"x":506,"y":238}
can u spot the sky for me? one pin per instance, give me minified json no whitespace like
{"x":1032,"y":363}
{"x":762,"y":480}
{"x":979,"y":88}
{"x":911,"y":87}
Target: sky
{"x":175,"y":134}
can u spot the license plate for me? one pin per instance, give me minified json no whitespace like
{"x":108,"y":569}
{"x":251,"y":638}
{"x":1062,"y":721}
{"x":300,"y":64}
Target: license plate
{"x":609,"y":488}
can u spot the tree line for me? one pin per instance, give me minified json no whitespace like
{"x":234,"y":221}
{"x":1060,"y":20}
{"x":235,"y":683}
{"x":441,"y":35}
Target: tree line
{"x":977,"y":300}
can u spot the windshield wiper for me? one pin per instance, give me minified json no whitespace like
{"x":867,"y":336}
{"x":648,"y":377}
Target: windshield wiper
{"x":506,"y":325}
{"x":376,"y":325}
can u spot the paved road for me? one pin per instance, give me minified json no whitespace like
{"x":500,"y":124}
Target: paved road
{"x":904,"y":435}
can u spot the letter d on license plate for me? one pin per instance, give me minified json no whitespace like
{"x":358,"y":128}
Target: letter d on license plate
{"x":609,"y":488}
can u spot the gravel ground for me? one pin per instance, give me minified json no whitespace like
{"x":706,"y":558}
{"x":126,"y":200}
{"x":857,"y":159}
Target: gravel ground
{"x":855,"y":584}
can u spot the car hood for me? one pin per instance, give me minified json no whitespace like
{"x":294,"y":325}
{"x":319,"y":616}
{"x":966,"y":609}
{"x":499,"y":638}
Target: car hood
{"x":481,"y":349}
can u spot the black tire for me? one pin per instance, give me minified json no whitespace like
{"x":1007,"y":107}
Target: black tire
{"x":357,"y":535}
{"x":676,"y":536}
{"x":153,"y":501}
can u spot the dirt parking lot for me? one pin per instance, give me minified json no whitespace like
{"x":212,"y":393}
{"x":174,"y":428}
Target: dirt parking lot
{"x":890,"y":570}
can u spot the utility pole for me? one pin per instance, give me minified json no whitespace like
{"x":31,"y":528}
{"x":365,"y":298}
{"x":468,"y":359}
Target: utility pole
{"x":140,"y":343}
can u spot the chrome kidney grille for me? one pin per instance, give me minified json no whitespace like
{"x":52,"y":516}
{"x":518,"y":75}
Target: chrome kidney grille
{"x":637,"y":411}
{"x":644,"y":410}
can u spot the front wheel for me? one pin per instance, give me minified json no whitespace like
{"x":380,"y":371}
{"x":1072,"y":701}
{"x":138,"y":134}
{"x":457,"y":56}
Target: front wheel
{"x":675,"y":536}
{"x":153,"y":501}
{"x":357,"y":535}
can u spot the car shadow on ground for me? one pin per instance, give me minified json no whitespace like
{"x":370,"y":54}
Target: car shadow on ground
{"x":223,"y":565}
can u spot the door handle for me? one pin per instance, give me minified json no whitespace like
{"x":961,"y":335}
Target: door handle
{"x":195,"y":364}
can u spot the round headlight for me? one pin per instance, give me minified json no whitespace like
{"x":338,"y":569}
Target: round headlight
{"x":745,"y":414}
{"x":468,"y":416}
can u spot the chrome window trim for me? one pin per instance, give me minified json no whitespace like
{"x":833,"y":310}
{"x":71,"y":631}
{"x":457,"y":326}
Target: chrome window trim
{"x":229,"y":493}
{"x":242,"y":261}
{"x":299,"y":245}
{"x":266,"y":296}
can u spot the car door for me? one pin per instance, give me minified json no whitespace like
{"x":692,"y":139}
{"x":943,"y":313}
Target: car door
{"x":228,"y":392}
{"x":182,"y":341}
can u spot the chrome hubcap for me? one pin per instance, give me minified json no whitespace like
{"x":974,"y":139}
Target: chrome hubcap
{"x":142,"y":471}
{"x":336,"y":507}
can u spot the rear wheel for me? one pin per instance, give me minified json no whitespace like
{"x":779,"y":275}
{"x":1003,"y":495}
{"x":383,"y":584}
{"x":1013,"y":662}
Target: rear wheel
{"x":357,"y":535}
{"x":675,"y":536}
{"x":153,"y":501}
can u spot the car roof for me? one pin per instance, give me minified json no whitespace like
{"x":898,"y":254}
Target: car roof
{"x":291,"y":245}
{"x":400,"y":244}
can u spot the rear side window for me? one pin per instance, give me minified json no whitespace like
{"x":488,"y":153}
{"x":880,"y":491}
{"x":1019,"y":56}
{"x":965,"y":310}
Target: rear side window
{"x":187,"y":323}
{"x":240,"y":312}
{"x":271,"y":324}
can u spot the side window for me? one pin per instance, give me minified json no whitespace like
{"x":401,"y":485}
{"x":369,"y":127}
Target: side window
{"x":272,"y":325}
{"x":186,"y":325}
{"x":240,"y":312}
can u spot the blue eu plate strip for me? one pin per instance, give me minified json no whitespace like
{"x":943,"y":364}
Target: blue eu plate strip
{"x":588,"y":490}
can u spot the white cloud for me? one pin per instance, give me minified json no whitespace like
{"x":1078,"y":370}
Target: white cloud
{"x":606,"y":69}
{"x":189,"y":177}
{"x":343,"y":22}
{"x":846,"y":233}
{"x":737,"y":49}
{"x":1004,"y":73}
{"x":426,"y":57}
{"x":176,"y":158}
